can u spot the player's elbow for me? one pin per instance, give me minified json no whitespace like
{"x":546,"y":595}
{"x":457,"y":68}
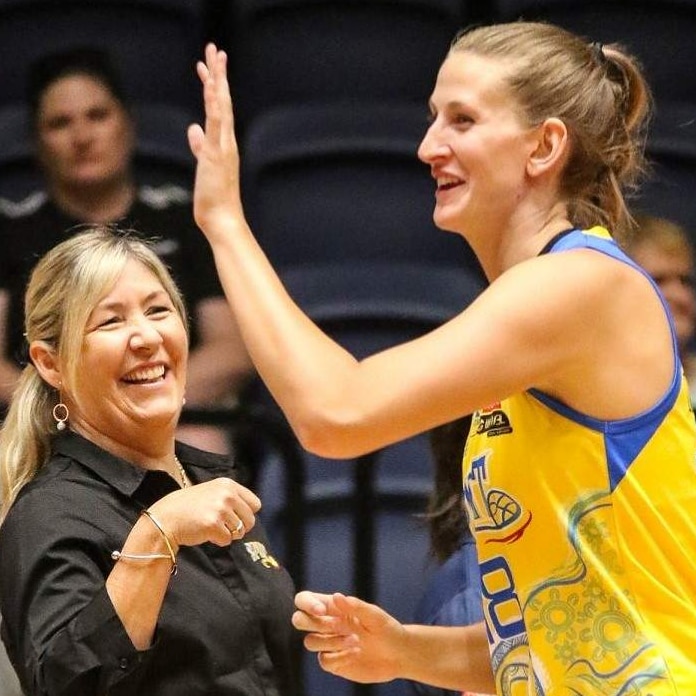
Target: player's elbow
{"x":334,"y":435}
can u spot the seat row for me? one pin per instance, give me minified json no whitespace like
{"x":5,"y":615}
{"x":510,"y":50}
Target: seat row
{"x":285,"y":51}
{"x":300,"y":53}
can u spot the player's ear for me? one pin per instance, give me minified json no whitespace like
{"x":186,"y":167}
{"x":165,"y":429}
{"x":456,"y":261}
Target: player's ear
{"x":550,"y":147}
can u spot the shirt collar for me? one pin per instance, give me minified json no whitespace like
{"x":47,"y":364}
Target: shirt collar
{"x":126,"y":477}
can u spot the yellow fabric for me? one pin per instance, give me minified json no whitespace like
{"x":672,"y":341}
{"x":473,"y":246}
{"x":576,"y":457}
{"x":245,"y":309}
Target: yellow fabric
{"x":586,"y":535}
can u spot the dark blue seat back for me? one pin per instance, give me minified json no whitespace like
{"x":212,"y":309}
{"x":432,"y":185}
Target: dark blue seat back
{"x":155,"y":43}
{"x":287,"y":52}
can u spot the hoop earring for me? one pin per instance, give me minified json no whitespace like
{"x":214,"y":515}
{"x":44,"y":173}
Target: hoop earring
{"x":61,"y":415}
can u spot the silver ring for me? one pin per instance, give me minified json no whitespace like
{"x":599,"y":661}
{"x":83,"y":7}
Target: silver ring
{"x":239,"y":529}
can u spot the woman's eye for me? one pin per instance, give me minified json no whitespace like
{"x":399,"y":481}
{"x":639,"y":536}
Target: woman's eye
{"x":106,"y":322}
{"x":159,"y":310}
{"x":462,"y":119}
{"x":56,"y":123}
{"x":99,"y":114}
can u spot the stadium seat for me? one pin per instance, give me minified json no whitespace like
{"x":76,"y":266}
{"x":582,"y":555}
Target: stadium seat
{"x":19,"y":175}
{"x":335,"y":184}
{"x":659,"y":32}
{"x":155,"y":43}
{"x":359,"y":517}
{"x":671,"y":149}
{"x":300,"y":51}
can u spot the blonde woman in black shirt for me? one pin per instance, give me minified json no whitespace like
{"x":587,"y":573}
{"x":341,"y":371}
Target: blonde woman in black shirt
{"x":129,"y":563}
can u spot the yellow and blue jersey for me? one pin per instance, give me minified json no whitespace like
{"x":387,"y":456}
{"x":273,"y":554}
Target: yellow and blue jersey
{"x":586,"y":537}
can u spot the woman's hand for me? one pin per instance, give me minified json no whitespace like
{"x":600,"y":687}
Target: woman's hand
{"x":216,"y":196}
{"x":354,"y":640}
{"x":209,"y":511}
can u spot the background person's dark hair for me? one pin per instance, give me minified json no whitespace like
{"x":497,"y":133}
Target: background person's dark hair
{"x":445,"y":514}
{"x":81,"y":60}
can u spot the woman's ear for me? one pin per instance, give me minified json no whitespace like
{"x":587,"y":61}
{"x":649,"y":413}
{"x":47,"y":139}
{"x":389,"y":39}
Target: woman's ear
{"x":551,"y":147}
{"x":45,"y":360}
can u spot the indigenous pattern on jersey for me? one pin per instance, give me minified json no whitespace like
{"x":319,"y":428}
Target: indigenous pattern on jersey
{"x":586,"y":535}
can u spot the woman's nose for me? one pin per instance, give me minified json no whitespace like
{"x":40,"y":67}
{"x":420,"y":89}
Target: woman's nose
{"x":144,"y":336}
{"x":82,"y":133}
{"x":430,"y":146}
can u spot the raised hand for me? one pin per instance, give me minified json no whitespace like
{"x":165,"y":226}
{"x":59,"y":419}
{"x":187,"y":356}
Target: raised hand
{"x":216,"y":197}
{"x":354,"y":639}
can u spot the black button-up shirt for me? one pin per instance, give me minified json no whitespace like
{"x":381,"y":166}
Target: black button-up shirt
{"x":224,"y":628}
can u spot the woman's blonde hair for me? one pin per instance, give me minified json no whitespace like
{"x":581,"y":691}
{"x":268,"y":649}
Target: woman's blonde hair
{"x":65,"y":286}
{"x":600,"y":94}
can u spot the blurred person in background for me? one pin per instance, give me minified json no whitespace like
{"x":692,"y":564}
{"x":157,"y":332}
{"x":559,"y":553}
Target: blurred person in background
{"x":85,"y":137}
{"x":665,"y":250}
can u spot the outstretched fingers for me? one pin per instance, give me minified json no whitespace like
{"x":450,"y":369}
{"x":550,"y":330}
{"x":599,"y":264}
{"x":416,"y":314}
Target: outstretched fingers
{"x":352,"y":638}
{"x":208,"y":75}
{"x":217,"y":64}
{"x":341,"y":663}
{"x":219,"y":119}
{"x":312,"y":603}
{"x":330,"y":642}
{"x":216,"y":198}
{"x":357,"y":613}
{"x":327,"y":615}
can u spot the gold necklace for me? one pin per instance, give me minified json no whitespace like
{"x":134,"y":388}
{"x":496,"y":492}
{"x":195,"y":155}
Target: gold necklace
{"x":185,"y":483}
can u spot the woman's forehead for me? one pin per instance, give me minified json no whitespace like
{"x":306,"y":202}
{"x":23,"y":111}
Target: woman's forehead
{"x":465,"y":76}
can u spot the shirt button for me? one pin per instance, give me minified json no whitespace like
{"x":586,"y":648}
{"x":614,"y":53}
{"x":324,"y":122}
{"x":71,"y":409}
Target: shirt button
{"x":123,"y":663}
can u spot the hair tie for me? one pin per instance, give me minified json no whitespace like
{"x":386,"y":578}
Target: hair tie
{"x":597,"y":48}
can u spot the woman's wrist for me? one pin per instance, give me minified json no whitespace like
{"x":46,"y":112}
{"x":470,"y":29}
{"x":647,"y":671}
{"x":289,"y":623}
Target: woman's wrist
{"x":170,"y":543}
{"x":150,"y":540}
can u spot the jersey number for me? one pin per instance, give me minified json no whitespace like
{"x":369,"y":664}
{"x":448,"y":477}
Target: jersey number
{"x":501,"y":602}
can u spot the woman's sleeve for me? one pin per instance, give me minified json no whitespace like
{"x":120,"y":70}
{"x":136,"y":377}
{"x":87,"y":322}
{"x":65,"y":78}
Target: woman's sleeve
{"x":61,"y":629}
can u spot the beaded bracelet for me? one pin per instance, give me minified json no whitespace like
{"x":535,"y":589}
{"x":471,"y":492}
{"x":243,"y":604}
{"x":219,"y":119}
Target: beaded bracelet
{"x":171,"y":556}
